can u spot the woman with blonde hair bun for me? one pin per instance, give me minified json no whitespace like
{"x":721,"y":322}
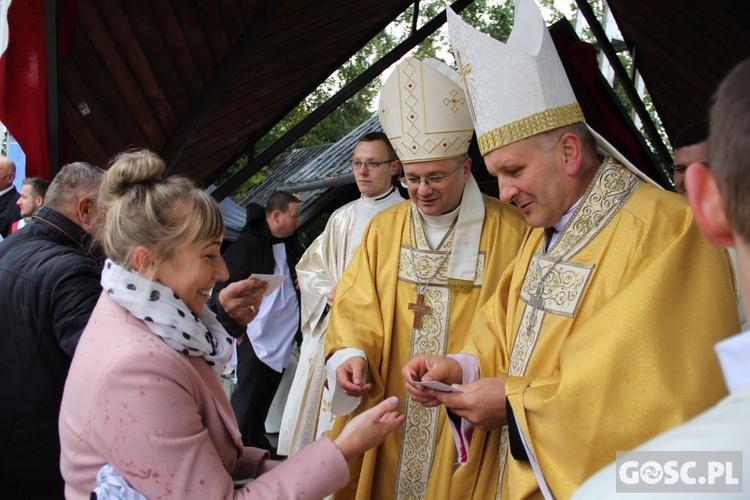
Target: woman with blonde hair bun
{"x":144,"y":413}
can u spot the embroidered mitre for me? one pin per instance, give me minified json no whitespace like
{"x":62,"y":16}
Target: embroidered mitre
{"x":424,"y":111}
{"x":516,"y":89}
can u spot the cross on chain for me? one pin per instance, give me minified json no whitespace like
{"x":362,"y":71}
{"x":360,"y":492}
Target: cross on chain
{"x":420,"y":309}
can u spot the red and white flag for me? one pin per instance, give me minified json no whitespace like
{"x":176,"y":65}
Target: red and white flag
{"x":23,"y":75}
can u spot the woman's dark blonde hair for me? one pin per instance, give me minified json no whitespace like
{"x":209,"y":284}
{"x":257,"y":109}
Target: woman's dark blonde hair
{"x":144,"y":209}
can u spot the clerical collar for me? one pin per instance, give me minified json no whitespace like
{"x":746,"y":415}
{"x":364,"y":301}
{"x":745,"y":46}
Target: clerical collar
{"x":381,"y":197}
{"x":436,"y":227}
{"x":6,"y":190}
{"x":443,"y":221}
{"x":463,"y":265}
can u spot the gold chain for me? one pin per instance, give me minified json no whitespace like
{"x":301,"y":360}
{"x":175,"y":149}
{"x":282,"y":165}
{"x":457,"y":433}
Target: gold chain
{"x":421,"y":287}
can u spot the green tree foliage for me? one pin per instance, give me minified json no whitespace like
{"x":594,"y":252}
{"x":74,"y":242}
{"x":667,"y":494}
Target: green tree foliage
{"x":256,"y":180}
{"x":494,"y":17}
{"x":625,"y":57}
{"x":490,"y":16}
{"x":307,"y":234}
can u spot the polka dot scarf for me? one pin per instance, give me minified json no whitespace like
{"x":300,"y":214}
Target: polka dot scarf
{"x":168,"y":317}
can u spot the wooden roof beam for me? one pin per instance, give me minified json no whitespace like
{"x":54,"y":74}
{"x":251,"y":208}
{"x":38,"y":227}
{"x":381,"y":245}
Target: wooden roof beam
{"x":268,"y":154}
{"x":251,"y":34}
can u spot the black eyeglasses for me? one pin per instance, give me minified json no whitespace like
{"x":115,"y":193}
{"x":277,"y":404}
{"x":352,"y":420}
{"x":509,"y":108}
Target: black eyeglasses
{"x":369,"y":165}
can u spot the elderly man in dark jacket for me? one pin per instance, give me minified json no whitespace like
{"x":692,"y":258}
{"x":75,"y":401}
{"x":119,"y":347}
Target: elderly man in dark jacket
{"x":267,"y":245}
{"x":49,"y":283}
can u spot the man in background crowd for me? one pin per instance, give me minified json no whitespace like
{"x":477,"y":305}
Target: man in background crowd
{"x":690,"y":146}
{"x":33,"y":191}
{"x":49,"y":284}
{"x":308,"y":415}
{"x":266,"y":245}
{"x":9,"y":211}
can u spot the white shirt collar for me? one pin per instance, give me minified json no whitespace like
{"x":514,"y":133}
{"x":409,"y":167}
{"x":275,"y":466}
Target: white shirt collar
{"x":379,"y":197}
{"x":566,"y":218}
{"x":734,"y":357}
{"x":562,"y":222}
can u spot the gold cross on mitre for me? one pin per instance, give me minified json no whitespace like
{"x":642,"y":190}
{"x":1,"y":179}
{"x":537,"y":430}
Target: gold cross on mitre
{"x":463,"y":69}
{"x":420,"y":309}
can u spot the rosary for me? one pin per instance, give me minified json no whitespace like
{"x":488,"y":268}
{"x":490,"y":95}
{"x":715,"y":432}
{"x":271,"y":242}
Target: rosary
{"x":419,"y":308}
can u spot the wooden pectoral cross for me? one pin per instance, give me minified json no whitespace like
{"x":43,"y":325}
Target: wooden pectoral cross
{"x":420,"y":309}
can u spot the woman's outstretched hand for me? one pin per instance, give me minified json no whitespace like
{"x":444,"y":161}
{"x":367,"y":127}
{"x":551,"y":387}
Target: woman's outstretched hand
{"x":369,"y":429}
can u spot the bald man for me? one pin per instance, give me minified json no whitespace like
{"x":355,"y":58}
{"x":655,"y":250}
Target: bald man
{"x":9,"y":211}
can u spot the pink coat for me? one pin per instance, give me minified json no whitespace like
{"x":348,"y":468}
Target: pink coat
{"x":163,"y":421}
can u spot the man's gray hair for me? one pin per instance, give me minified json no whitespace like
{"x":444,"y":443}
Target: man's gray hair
{"x":73,"y":182}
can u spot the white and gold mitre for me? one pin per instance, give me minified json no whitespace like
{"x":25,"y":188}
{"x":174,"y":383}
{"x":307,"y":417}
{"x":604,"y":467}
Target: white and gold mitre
{"x":424,"y":112}
{"x":515,"y":89}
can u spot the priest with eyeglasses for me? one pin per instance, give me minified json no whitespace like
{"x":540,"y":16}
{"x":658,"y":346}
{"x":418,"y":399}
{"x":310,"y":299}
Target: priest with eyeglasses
{"x":307,"y":413}
{"x":423,"y":269}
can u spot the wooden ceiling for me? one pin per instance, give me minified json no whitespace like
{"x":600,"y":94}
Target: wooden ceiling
{"x":197,"y":79}
{"x":200,"y":80}
{"x":683,"y":49}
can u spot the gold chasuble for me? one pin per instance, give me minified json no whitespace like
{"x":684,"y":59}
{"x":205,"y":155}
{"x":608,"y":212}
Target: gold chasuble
{"x":307,"y":414}
{"x":608,"y":337}
{"x":376,"y":309}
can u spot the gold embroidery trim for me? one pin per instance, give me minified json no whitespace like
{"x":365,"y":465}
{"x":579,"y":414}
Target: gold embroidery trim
{"x":531,"y":125}
{"x":420,"y":431}
{"x":610,"y":190}
{"x":555,"y":286}
{"x":503,"y":457}
{"x":418,"y":438}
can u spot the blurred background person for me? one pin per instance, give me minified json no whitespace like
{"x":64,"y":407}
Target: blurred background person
{"x":690,"y":146}
{"x":9,"y":211}
{"x":268,"y":244}
{"x":33,"y":191}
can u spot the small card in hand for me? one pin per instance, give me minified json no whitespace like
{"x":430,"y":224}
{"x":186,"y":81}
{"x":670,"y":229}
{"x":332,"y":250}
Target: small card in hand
{"x":438,"y":386}
{"x":274,"y":281}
